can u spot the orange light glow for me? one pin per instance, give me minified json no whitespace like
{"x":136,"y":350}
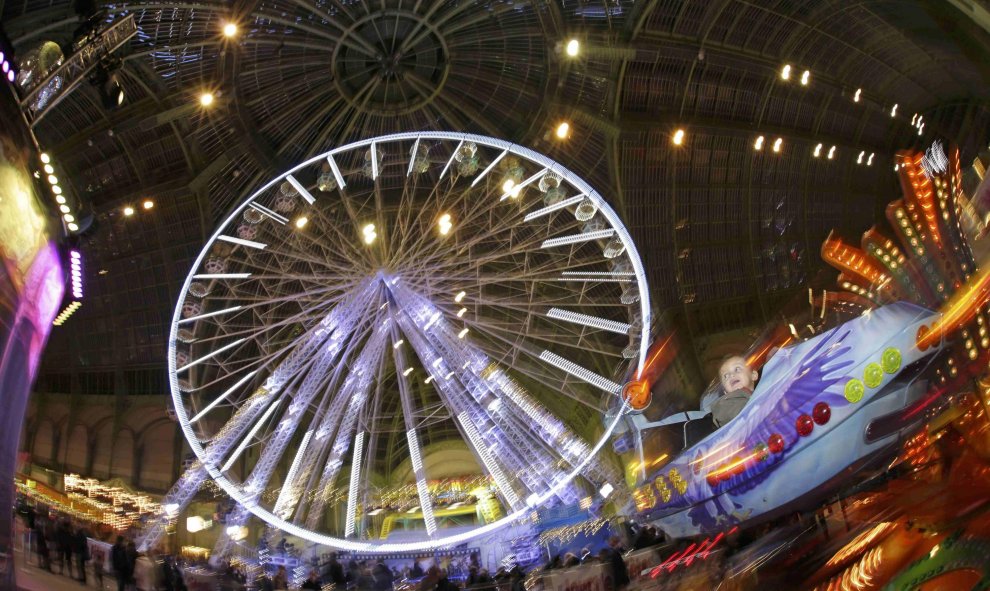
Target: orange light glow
{"x":958,"y":310}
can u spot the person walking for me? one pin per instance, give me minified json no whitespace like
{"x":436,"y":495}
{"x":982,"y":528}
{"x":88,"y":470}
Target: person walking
{"x":120,"y":563}
{"x":64,"y":540}
{"x":80,"y":548}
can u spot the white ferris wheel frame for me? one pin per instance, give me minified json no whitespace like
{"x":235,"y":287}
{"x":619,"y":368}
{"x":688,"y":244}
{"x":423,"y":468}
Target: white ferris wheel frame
{"x":234,"y":490}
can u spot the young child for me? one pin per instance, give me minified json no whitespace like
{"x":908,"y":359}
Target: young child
{"x":738,"y":382}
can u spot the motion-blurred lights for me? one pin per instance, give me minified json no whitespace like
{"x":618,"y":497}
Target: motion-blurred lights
{"x":45,"y":158}
{"x":859,"y":92}
{"x":921,"y":129}
{"x":444,"y":224}
{"x":758,"y":144}
{"x":52,"y":179}
{"x":64,"y":208}
{"x":606,"y":490}
{"x":49,"y":169}
{"x":69,"y":218}
{"x":893,"y":110}
{"x":869,"y":160}
{"x":777,"y":144}
{"x":206,"y":99}
{"x":785,"y":72}
{"x":831,"y":152}
{"x":301,"y":222}
{"x":461,"y":312}
{"x":678,"y":138}
{"x":463,"y":332}
{"x":460,"y":296}
{"x":128,"y":211}
{"x":573,"y":48}
{"x":369,"y":233}
{"x":818,"y":151}
{"x":805,"y":77}
{"x":508,"y":185}
{"x":73,"y":227}
{"x":563,"y":130}
{"x":59,"y":199}
{"x":56,"y":189}
{"x":861,"y":155}
{"x":148,"y":204}
{"x":229,"y":30}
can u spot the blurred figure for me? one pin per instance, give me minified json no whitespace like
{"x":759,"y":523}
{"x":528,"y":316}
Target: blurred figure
{"x":41,"y":545}
{"x":571,"y":560}
{"x":312,"y":581}
{"x":620,"y":575}
{"x":64,"y":540}
{"x":336,"y":573}
{"x":120,"y":562}
{"x":132,"y":556}
{"x":382,"y":577}
{"x":80,"y":547}
{"x":281,"y":580}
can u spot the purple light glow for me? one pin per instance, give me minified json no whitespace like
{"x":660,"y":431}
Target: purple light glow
{"x":6,"y":67}
{"x":10,"y":76}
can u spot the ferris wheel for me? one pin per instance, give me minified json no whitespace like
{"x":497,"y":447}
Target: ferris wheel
{"x":393,"y":294}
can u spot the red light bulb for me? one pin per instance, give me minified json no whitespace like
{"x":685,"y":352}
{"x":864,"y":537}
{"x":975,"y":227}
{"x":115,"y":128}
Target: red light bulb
{"x":821,"y":413}
{"x":776,"y":443}
{"x":804,"y":425}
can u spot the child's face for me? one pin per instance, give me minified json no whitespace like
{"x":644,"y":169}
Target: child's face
{"x":736,"y":375}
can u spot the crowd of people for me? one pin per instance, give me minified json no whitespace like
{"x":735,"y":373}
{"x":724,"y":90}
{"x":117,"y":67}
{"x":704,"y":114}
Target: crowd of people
{"x":609,"y":556}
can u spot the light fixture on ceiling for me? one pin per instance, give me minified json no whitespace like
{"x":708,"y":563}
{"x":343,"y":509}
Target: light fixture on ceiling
{"x":128,"y":211}
{"x":573,"y":48}
{"x":777,"y":144}
{"x":206,"y":99}
{"x":818,"y":151}
{"x":805,"y":77}
{"x":229,"y":29}
{"x":563,"y":130}
{"x":301,"y":222}
{"x":893,"y":110}
{"x":859,"y":92}
{"x":831,"y":152}
{"x":444,"y":224}
{"x":758,"y":144}
{"x":785,"y":72}
{"x":678,"y":138}
{"x":148,"y":204}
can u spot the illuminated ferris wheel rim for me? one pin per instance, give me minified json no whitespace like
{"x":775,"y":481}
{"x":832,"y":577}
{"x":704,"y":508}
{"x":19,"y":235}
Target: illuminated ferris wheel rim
{"x":532,"y":502}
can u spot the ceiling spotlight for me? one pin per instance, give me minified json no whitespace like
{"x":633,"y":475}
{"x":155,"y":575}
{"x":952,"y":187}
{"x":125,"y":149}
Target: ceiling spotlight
{"x":805,"y":77}
{"x":573,"y":47}
{"x":45,"y":159}
{"x":859,"y":91}
{"x":507,"y":185}
{"x":64,"y":208}
{"x":860,"y":159}
{"x":206,"y":99}
{"x":460,"y":296}
{"x":869,"y":161}
{"x":461,"y":312}
{"x":921,"y":129}
{"x":128,"y":211}
{"x":52,"y":179}
{"x":818,"y":151}
{"x":563,"y":129}
{"x":831,"y":152}
{"x":461,"y":334}
{"x":56,"y":189}
{"x":678,"y":138}
{"x":49,"y":169}
{"x":369,"y":233}
{"x":229,"y":30}
{"x":148,"y":204}
{"x":785,"y":72}
{"x":73,"y":227}
{"x":60,"y":199}
{"x":301,"y":222}
{"x":893,"y":110}
{"x":777,"y":143}
{"x":758,"y":144}
{"x":69,"y":217}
